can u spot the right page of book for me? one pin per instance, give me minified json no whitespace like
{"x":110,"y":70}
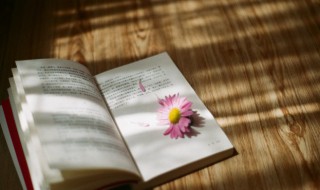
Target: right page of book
{"x":132,"y":93}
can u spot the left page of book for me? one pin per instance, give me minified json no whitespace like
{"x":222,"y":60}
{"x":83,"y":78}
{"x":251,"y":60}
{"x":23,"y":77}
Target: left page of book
{"x":70,"y":117}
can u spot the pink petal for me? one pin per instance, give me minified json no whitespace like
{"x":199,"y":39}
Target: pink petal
{"x":173,"y":133}
{"x":186,"y":106}
{"x":170,"y":100}
{"x":187,"y":113}
{"x":142,"y":88}
{"x":166,"y":103}
{"x":176,"y":132}
{"x":182,"y":128}
{"x":169,"y":130}
{"x":184,"y":121}
{"x":161,"y":101}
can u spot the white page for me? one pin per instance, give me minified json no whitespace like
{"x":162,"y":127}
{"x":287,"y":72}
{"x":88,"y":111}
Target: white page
{"x":135,"y":113}
{"x":42,"y":175}
{"x":71,"y":119}
{"x":28,"y":140}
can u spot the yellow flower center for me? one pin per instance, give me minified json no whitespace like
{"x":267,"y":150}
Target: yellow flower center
{"x":174,"y":115}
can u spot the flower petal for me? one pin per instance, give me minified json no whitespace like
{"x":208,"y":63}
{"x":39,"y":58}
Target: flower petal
{"x":169,"y":130}
{"x":186,"y":106}
{"x":173,"y":133}
{"x":177,"y":132}
{"x":187,"y":113}
{"x":142,"y":88}
{"x":184,"y":121}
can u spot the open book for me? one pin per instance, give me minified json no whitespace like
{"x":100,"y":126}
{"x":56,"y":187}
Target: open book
{"x":78,"y":131}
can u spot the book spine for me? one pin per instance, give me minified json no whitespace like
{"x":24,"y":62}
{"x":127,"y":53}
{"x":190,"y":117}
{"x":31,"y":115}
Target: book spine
{"x":16,"y":143}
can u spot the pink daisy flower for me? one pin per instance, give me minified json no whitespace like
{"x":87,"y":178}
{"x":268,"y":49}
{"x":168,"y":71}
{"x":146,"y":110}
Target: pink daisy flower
{"x":175,"y":112}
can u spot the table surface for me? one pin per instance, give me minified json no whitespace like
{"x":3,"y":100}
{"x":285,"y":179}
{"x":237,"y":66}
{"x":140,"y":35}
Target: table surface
{"x":255,"y":65}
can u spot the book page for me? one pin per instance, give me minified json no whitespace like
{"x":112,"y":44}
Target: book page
{"x":132,"y":93}
{"x":70,"y":117}
{"x":29,"y":142}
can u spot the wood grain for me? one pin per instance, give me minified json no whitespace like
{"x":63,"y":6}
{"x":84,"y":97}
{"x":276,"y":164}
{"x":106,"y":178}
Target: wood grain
{"x":255,"y":64}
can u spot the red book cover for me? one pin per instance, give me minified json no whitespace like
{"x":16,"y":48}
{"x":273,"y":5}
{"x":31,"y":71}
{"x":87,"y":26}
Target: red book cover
{"x":16,"y":143}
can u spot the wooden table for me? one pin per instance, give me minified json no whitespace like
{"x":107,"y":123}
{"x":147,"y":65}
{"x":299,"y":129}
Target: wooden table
{"x":255,"y":64}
